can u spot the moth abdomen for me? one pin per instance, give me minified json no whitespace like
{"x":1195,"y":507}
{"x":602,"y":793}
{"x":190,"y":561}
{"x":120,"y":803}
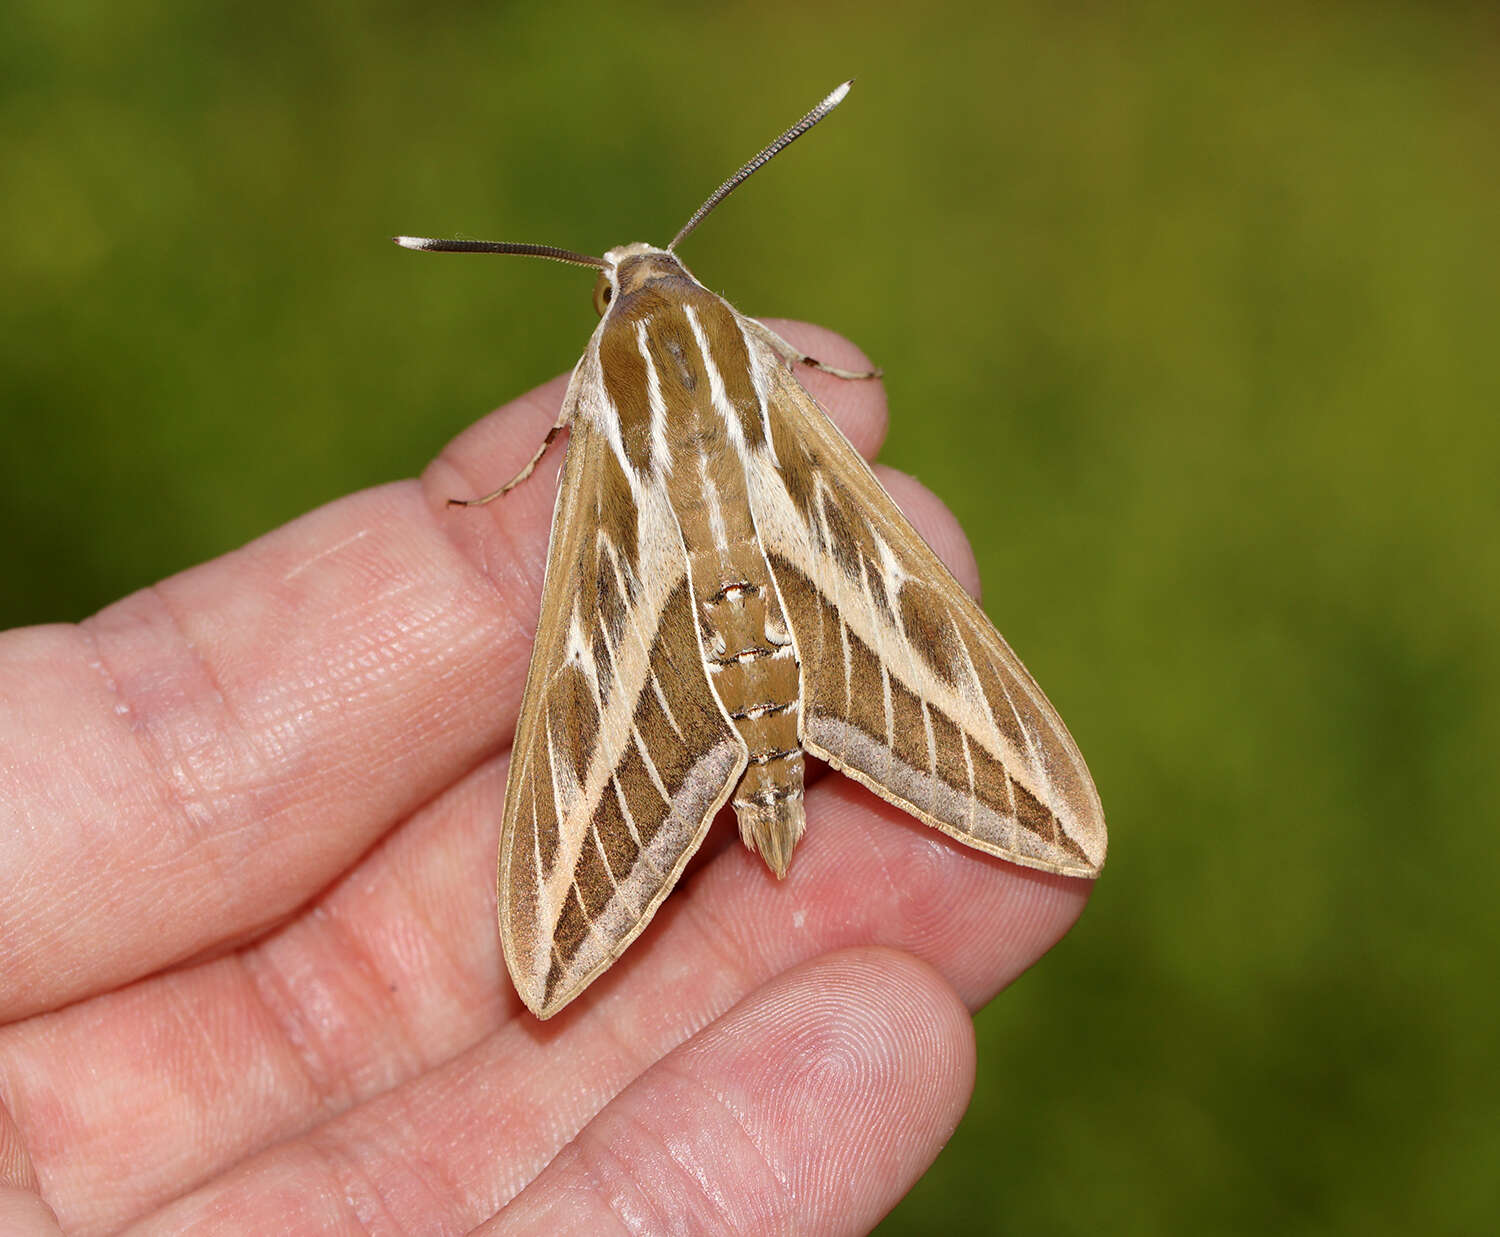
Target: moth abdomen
{"x":768,"y":805}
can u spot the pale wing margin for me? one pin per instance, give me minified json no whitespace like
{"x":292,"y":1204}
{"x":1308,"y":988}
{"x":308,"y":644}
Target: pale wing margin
{"x":622,"y":754}
{"x":906,"y":685}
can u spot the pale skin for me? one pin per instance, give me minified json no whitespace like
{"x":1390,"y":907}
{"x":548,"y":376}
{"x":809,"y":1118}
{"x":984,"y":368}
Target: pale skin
{"x":249,"y":972}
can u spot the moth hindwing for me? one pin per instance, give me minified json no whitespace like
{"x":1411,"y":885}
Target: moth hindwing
{"x":728,"y":587}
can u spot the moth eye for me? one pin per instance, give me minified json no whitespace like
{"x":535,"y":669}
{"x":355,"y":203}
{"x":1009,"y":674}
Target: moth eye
{"x":604,"y":293}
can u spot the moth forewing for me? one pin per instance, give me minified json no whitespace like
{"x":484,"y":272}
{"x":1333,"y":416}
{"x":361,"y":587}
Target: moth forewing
{"x":906,"y":685}
{"x":622,"y":755}
{"x":728,"y":587}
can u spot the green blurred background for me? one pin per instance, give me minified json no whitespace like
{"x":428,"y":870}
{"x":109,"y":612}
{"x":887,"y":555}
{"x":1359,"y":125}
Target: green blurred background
{"x":1189,"y":312}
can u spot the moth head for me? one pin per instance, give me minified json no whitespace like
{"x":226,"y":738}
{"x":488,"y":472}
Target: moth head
{"x":630,"y":268}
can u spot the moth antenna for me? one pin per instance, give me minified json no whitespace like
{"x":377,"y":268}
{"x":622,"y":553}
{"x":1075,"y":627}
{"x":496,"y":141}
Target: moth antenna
{"x":438,"y":245}
{"x":760,"y":160}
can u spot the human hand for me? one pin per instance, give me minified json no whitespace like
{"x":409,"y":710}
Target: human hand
{"x":249,"y":973}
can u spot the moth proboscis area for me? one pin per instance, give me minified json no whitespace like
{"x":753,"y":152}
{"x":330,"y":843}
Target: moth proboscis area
{"x":728,"y":587}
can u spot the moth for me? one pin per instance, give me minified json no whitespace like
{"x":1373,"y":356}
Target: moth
{"x":728,"y":589}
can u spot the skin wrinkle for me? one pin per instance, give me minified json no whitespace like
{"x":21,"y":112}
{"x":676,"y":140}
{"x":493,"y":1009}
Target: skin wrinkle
{"x":720,"y":932}
{"x":444,"y":1193}
{"x":329,"y":1088}
{"x":379,"y":993}
{"x":589,"y":1154}
{"x":562,"y":1116}
{"x":533,"y":1170}
{"x":346,"y":1184}
{"x":26,"y":1211}
{"x":89,"y":631}
{"x":16,"y":1167}
{"x":349,"y":1185}
{"x":676,"y":1067}
{"x":653,"y":1136}
{"x":460,"y":785}
{"x":518,"y":614}
{"x":143,"y":1190}
{"x":262,"y":980}
{"x":558,"y":1114}
{"x":682,"y":1155}
{"x":628,"y":1052}
{"x":535,"y":1112}
{"x":432,"y":942}
{"x":301,"y":1034}
{"x":181,"y":1012}
{"x":197,"y":812}
{"x":921,"y":906}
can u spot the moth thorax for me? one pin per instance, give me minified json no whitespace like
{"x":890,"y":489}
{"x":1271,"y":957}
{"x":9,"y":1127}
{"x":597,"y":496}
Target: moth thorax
{"x":637,"y":269}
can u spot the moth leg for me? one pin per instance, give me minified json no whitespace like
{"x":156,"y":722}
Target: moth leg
{"x":518,"y":478}
{"x":794,"y":356}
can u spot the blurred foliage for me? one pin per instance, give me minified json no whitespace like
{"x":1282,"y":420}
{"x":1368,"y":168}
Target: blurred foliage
{"x":1188,"y":311}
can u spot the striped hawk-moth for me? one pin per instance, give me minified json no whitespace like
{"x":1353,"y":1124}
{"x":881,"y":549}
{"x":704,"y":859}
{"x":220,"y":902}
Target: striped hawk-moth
{"x":728,"y":588}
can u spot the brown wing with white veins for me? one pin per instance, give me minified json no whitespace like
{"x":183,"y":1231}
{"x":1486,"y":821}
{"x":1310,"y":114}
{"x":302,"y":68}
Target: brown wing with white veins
{"x":906,"y":685}
{"x":622,"y":754}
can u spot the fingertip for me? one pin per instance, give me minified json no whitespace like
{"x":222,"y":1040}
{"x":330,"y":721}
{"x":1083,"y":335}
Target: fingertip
{"x":869,"y":1046}
{"x":906,"y":1033}
{"x":812,"y":1105}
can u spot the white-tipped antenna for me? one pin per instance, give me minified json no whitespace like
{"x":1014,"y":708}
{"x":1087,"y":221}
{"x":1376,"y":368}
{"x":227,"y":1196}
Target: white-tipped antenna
{"x":760,"y":160}
{"x":430,"y":244}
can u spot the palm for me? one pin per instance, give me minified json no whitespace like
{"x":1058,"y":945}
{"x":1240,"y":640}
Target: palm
{"x":249,"y":972}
